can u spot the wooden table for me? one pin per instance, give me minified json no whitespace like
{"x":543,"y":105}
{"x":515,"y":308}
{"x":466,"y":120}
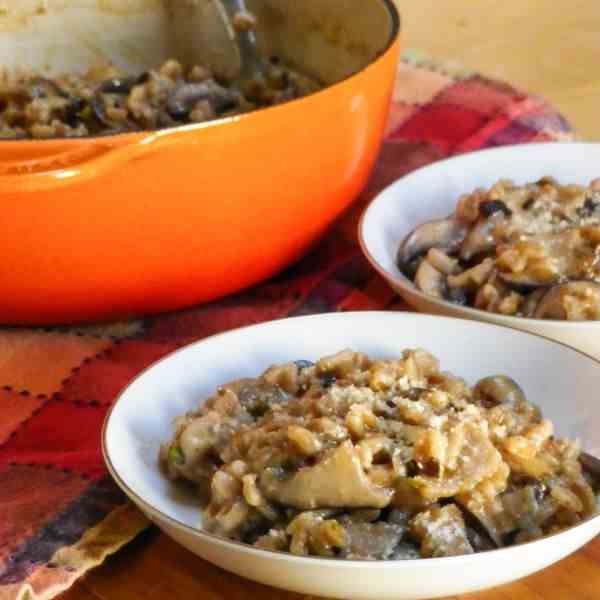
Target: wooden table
{"x":549,"y":47}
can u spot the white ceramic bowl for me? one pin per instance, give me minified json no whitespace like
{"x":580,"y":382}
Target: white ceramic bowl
{"x":431,"y":193}
{"x":559,"y":378}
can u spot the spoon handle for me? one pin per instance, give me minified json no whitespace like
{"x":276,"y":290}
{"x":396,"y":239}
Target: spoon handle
{"x":252,"y":65}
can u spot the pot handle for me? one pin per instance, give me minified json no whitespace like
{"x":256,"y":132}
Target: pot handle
{"x":83,"y":166}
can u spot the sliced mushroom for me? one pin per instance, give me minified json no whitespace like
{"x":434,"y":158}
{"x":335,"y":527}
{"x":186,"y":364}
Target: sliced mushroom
{"x":442,"y":262}
{"x":434,"y":283}
{"x":431,"y":281}
{"x":504,"y":515}
{"x":481,"y":239}
{"x":573,"y":301}
{"x":473,"y":278}
{"x":186,"y":95}
{"x":522,"y":282}
{"x":497,"y":389}
{"x":445,"y":234}
{"x":337,"y":480}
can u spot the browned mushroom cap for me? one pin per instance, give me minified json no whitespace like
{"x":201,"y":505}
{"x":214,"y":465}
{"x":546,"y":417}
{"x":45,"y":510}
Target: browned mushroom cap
{"x":497,"y":389}
{"x":445,"y":234}
{"x":573,"y":301}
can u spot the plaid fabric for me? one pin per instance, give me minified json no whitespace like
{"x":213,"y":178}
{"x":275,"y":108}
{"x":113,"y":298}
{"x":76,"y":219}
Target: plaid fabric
{"x":59,"y":512}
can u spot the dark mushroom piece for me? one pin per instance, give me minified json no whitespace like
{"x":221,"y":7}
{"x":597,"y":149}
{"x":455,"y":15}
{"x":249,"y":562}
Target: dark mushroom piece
{"x":111,"y":94}
{"x":590,"y":207}
{"x":591,"y":464}
{"x":100,"y":105}
{"x":118,"y":85}
{"x":371,"y":541}
{"x":497,"y":389}
{"x":472,"y":279}
{"x":522,"y":282}
{"x":303,"y":364}
{"x":492,"y":207}
{"x":186,"y":95}
{"x":576,"y":300}
{"x":259,"y":398}
{"x":444,"y":234}
{"x":73,"y":110}
{"x":502,"y":529}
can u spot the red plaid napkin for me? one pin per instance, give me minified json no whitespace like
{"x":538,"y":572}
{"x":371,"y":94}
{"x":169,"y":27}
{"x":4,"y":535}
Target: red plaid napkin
{"x":59,"y":512}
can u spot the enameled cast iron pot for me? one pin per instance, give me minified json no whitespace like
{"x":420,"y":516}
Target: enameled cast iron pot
{"x":107,"y":227}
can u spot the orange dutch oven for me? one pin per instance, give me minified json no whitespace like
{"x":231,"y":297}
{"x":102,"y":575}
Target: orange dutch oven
{"x":109,"y":227}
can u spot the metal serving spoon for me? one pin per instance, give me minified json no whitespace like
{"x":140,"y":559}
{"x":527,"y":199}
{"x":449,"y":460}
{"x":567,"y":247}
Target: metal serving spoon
{"x":252,"y":72}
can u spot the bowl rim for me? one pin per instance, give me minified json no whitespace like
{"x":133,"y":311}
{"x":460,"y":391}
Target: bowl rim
{"x":395,"y":31}
{"x":406,"y":284}
{"x":159,"y":515}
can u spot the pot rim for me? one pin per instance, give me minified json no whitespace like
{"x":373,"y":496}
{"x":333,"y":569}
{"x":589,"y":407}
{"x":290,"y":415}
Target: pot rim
{"x":395,"y":30}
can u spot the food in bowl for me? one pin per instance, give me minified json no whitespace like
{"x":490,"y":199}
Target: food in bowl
{"x":105,"y":101}
{"x":368,"y":459}
{"x":528,"y":251}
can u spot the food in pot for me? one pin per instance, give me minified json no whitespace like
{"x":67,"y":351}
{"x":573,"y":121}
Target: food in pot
{"x":528,"y":251}
{"x":106,"y":101}
{"x":358,"y":458}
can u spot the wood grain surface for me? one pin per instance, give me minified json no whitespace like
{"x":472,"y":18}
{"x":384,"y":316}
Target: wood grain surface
{"x":550,"y":47}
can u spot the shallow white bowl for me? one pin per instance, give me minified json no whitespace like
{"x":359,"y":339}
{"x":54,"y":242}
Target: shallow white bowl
{"x":431,"y":193}
{"x":560,"y":379}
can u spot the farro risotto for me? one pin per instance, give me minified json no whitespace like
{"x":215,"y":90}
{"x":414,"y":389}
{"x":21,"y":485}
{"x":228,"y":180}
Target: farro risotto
{"x":528,"y":251}
{"x":106,"y":101}
{"x":368,"y":459}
